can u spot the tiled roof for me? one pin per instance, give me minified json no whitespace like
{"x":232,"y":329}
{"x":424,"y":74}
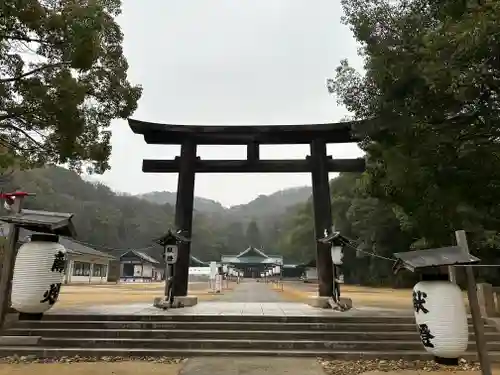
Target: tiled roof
{"x":141,"y":255}
{"x":72,"y":247}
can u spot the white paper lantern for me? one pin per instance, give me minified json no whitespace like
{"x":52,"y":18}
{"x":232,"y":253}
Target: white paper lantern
{"x":337,"y":255}
{"x":441,"y":318}
{"x":278,"y":270}
{"x":38,"y":274}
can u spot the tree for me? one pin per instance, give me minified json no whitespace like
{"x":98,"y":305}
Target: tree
{"x":63,"y":79}
{"x":235,"y":235}
{"x":431,"y":92}
{"x":373,"y":224}
{"x":253,"y":234}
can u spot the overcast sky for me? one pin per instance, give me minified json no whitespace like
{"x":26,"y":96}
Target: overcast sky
{"x":229,"y":62}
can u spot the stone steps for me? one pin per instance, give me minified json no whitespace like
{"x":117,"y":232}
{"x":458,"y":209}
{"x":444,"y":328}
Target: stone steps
{"x":332,"y":325}
{"x":334,"y":336}
{"x":195,"y":343}
{"x":224,"y":318}
{"x":330,"y":335}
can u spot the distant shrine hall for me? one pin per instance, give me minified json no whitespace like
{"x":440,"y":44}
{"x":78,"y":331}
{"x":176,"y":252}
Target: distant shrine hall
{"x":253,"y":262}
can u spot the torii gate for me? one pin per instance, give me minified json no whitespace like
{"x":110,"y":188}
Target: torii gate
{"x":188,"y":164}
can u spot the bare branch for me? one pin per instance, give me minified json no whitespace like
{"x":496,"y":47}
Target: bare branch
{"x":28,"y":73}
{"x":23,"y":39}
{"x":25,"y":133}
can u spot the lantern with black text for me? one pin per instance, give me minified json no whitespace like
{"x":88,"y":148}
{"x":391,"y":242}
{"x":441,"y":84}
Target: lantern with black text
{"x":38,"y":274}
{"x":441,"y":318}
{"x":171,"y":254}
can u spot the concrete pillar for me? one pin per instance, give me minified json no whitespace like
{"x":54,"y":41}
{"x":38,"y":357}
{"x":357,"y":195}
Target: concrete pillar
{"x":91,"y":272}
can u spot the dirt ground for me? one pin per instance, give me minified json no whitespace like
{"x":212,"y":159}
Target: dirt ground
{"x":113,"y":294}
{"x":93,"y":368}
{"x":360,"y":295}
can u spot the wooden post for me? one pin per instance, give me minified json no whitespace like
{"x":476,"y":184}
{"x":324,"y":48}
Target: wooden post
{"x":8,"y":263}
{"x":253,"y":152}
{"x":322,"y":215}
{"x":168,"y":274}
{"x":184,"y":214}
{"x":452,"y":274}
{"x":474,"y":308}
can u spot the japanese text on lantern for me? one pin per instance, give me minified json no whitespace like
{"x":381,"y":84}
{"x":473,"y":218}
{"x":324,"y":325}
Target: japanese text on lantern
{"x":59,"y":262}
{"x":52,"y":294}
{"x":419,"y":300}
{"x":426,"y":335}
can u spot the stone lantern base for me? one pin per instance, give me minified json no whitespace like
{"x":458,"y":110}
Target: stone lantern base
{"x":179,"y":301}
{"x":325,"y":302}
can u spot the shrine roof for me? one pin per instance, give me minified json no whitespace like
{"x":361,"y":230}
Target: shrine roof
{"x":444,"y":256}
{"x":156,"y":133}
{"x":72,"y":246}
{"x":195,"y":260}
{"x":252,"y":251}
{"x":59,"y":223}
{"x":141,"y":255}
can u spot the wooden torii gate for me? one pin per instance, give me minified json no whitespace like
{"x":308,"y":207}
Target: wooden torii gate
{"x":319,"y":164}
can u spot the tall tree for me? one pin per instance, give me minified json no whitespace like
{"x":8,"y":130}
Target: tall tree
{"x":373,"y":224}
{"x":431,"y":89}
{"x":63,"y":78}
{"x":253,"y":236}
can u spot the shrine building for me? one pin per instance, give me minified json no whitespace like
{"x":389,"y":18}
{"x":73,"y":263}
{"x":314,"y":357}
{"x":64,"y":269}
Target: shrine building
{"x":252,"y":261}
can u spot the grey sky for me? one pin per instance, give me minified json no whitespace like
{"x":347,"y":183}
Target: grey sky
{"x":241,"y":62}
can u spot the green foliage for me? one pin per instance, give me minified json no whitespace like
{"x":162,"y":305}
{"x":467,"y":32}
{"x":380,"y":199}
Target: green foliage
{"x":109,"y":220}
{"x":63,"y":78}
{"x":374,"y":225}
{"x":431,"y":88}
{"x":253,"y":236}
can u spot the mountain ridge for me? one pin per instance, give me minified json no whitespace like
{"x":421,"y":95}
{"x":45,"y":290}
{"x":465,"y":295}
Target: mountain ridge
{"x":281,"y":200}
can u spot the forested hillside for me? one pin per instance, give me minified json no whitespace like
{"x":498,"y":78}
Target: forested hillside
{"x":169,"y":197}
{"x":110,"y":220}
{"x":262,"y":206}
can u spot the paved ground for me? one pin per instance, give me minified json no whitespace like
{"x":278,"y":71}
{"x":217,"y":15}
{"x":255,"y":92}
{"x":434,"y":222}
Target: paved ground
{"x":246,"y":298}
{"x":252,"y":366}
{"x":251,"y":291}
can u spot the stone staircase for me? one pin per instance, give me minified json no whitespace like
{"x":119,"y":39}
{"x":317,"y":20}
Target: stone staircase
{"x":341,"y":337}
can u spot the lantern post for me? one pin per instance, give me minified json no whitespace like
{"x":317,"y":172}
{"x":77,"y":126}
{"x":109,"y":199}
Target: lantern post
{"x":170,"y":242}
{"x":440,"y":311}
{"x":13,"y":202}
{"x":55,"y":223}
{"x":336,"y":242}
